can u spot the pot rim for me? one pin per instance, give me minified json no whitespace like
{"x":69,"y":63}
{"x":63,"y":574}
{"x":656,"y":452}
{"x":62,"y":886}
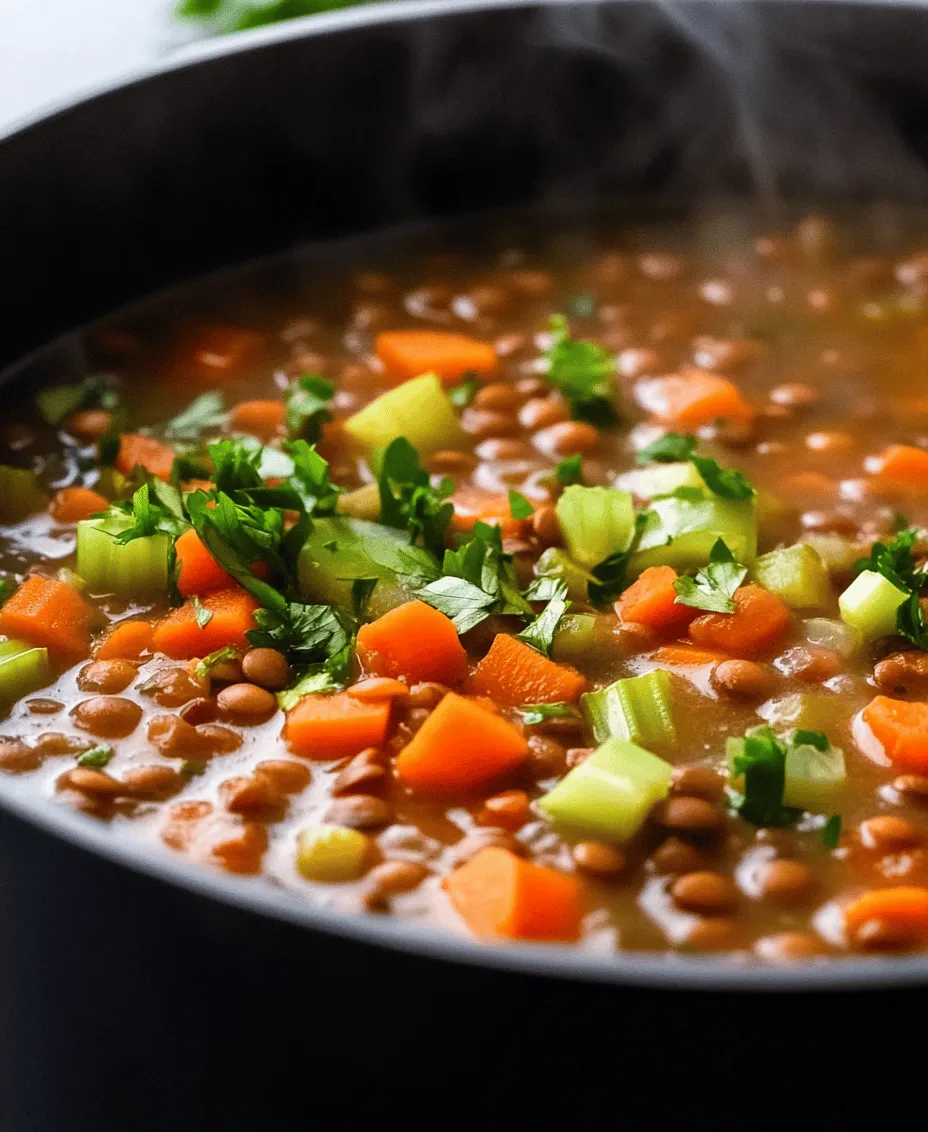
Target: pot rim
{"x":254,"y":894}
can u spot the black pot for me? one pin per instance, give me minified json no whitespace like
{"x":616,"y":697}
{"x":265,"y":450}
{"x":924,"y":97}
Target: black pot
{"x":139,"y":994}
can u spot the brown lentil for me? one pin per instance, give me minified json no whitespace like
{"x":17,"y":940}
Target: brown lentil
{"x":887,"y":832}
{"x":267,"y":668}
{"x":360,"y":811}
{"x":107,"y":676}
{"x":705,"y":892}
{"x":246,"y":702}
{"x":109,"y":717}
{"x":689,"y":815}
{"x":744,"y":679}
{"x":787,"y":881}
{"x":598,"y":858}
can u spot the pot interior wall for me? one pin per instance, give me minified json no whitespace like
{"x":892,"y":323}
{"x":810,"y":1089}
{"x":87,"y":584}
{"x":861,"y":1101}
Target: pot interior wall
{"x":253,"y":152}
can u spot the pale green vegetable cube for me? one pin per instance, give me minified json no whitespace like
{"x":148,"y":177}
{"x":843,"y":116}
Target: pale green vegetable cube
{"x":20,"y":494}
{"x":681,"y":533}
{"x":637,"y":708}
{"x":575,"y":636}
{"x":23,"y":670}
{"x":837,"y":552}
{"x":796,"y":574}
{"x":660,"y":479}
{"x":556,"y":563}
{"x":110,"y":567}
{"x":418,"y":409}
{"x":834,"y":635}
{"x":595,"y":522}
{"x":805,"y":711}
{"x":610,"y":794}
{"x":869,"y":605}
{"x":331,"y":853}
{"x":814,"y":778}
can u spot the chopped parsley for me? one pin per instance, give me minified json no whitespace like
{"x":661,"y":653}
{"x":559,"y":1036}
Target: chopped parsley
{"x":569,"y":470}
{"x":519,"y":506}
{"x":96,"y":757}
{"x":461,"y":395}
{"x":761,"y":762}
{"x":727,"y":483}
{"x":714,"y":586}
{"x":895,"y":561}
{"x":407,"y":499}
{"x":207,"y":412}
{"x":155,"y":508}
{"x":533,"y":714}
{"x":540,"y":632}
{"x":584,"y":373}
{"x":308,"y":402}
{"x":205,"y":666}
{"x":361,"y":591}
{"x":817,"y":739}
{"x":201,"y":613}
{"x":830,"y":833}
{"x":671,"y":448}
{"x":610,"y":577}
{"x":477,"y":580}
{"x":306,"y":634}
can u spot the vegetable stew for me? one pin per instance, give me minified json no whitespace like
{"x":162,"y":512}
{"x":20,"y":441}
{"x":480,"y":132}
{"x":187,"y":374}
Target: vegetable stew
{"x":563,"y":590}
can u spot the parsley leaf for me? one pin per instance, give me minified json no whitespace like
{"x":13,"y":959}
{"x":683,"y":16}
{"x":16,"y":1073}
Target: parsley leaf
{"x":461,"y":395}
{"x":60,"y":401}
{"x":361,"y":591}
{"x":727,"y":483}
{"x":584,"y":373}
{"x":205,"y":666}
{"x":308,"y":402}
{"x":155,"y":508}
{"x":305,"y":633}
{"x":671,"y":448}
{"x":569,"y":470}
{"x":762,"y":763}
{"x":911,"y":623}
{"x":610,"y":577}
{"x":714,"y":586}
{"x":236,"y":466}
{"x":817,"y":739}
{"x":540,"y":632}
{"x":895,"y":561}
{"x":407,"y":499}
{"x":533,"y":714}
{"x":310,"y":478}
{"x":201,"y":613}
{"x":830,"y":833}
{"x":519,"y":506}
{"x":206,"y":412}
{"x":96,"y":757}
{"x":478,"y":579}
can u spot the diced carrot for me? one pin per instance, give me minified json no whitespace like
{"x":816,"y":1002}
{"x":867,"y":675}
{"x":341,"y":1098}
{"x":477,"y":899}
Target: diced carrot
{"x":144,"y":452}
{"x":72,"y":504}
{"x":514,"y":673}
{"x":499,"y":894}
{"x":693,"y":398}
{"x":686,"y":656}
{"x":263,"y":419}
{"x":901,"y":466}
{"x":378,"y":688}
{"x":904,"y":908}
{"x":197,"y":571}
{"x":901,"y":728}
{"x":125,"y":641}
{"x":335,"y":727}
{"x":460,"y":746}
{"x":410,"y":353}
{"x":652,"y":601}
{"x":233,"y":613}
{"x":413,"y":641}
{"x":809,"y":485}
{"x":223,"y":839}
{"x":49,"y":614}
{"x":197,"y":485}
{"x":472,"y":505}
{"x":224,"y":348}
{"x":759,"y":622}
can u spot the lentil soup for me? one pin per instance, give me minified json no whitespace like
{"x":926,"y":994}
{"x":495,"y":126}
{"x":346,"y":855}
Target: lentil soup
{"x":561,"y":590}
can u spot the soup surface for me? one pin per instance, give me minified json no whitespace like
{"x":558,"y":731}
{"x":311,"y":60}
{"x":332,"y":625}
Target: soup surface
{"x":562,"y":589}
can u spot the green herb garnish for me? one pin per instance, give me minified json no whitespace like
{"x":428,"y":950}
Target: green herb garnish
{"x":714,"y":586}
{"x":96,"y":757}
{"x":762,"y":763}
{"x":830,"y":833}
{"x":584,"y":373}
{"x":208,"y":411}
{"x":519,"y":506}
{"x":308,"y":402}
{"x":407,"y":499}
{"x":461,"y":395}
{"x":201,"y":613}
{"x":610,"y":577}
{"x":671,"y":448}
{"x":727,"y":483}
{"x":540,"y":632}
{"x":533,"y":714}
{"x":569,"y":470}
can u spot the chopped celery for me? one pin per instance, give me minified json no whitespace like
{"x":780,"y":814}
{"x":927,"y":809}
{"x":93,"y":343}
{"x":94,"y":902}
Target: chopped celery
{"x":813,"y":778}
{"x":807,"y":711}
{"x":796,"y":574}
{"x":107,"y":566}
{"x":20,"y":494}
{"x":555,"y":563}
{"x":419,"y":410}
{"x":113,"y":484}
{"x":869,"y":605}
{"x":595,"y":522}
{"x":834,"y":635}
{"x":610,"y":794}
{"x":362,"y":503}
{"x":23,"y":669}
{"x":837,"y":552}
{"x":340,"y":550}
{"x":638,"y":708}
{"x":660,"y":479}
{"x":681,"y":532}
{"x":110,"y":567}
{"x":331,"y":853}
{"x":575,"y":636}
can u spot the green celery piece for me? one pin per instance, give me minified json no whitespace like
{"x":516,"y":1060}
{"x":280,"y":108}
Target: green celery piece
{"x":22,"y":670}
{"x":108,"y":567}
{"x":805,"y":711}
{"x":576,"y":634}
{"x":869,"y":605}
{"x":418,"y":409}
{"x":681,"y":533}
{"x":837,"y":552}
{"x":556,"y":563}
{"x":339,"y":550}
{"x":831,"y":634}
{"x":797,"y":575}
{"x":637,"y":708}
{"x":660,"y":479}
{"x":814,"y":778}
{"x":20,"y":494}
{"x":610,"y":794}
{"x":595,"y":522}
